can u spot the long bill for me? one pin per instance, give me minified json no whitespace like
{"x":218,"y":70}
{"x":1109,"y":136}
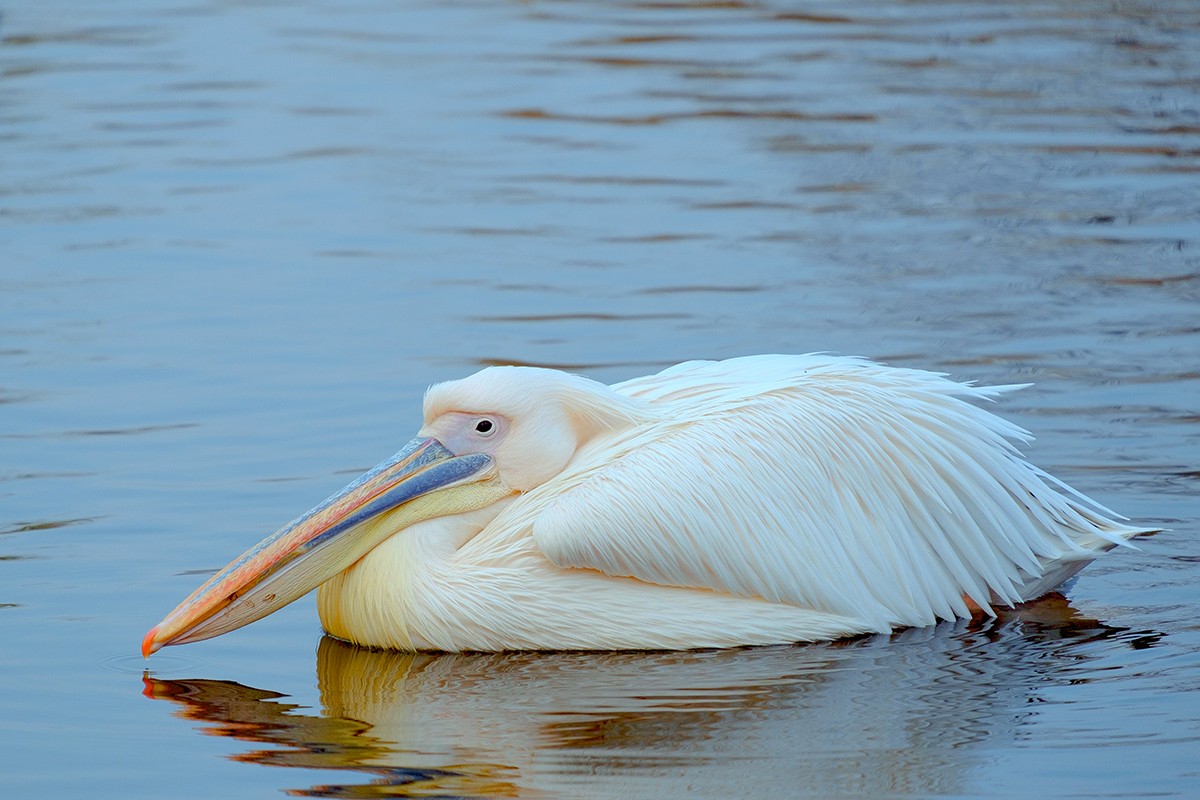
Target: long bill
{"x":422,"y":481}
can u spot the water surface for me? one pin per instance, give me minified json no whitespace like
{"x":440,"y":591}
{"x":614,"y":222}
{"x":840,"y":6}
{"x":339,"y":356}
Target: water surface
{"x":237,"y":240}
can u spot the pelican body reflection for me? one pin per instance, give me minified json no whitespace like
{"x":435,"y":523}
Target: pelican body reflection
{"x":901,"y":715}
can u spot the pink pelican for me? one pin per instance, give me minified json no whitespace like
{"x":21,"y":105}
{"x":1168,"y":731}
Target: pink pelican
{"x":759,"y":500}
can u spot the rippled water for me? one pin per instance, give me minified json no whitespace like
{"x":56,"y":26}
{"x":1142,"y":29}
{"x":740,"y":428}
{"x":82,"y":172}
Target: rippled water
{"x":238,"y":239}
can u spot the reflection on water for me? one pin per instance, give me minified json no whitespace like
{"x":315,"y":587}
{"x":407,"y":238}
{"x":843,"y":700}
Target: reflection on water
{"x":900,"y":715}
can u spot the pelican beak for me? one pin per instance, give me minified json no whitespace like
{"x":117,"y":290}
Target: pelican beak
{"x":422,"y":481}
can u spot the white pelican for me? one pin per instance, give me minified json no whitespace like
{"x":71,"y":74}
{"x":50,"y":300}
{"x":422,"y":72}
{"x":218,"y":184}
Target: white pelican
{"x":760,"y":500}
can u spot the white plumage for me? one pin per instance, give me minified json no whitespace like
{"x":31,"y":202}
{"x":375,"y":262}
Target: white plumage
{"x":759,"y":500}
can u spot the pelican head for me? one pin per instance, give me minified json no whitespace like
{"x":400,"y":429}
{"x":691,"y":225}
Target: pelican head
{"x":498,"y":433}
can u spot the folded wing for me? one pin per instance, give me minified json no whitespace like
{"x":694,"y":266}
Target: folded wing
{"x":827,"y":483}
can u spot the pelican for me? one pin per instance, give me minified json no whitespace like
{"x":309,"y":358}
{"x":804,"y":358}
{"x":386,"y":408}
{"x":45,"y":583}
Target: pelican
{"x":759,"y":500}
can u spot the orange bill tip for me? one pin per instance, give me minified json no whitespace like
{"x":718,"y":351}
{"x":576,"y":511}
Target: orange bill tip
{"x":148,"y":644}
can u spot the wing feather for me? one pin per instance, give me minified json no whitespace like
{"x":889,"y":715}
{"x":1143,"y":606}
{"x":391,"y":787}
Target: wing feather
{"x":822,"y":482}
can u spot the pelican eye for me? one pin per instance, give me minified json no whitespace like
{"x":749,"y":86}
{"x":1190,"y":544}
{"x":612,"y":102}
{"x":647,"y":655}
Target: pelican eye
{"x":485,"y":427}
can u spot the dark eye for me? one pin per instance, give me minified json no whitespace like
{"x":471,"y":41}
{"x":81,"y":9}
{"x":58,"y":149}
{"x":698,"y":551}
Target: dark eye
{"x":485,"y":427}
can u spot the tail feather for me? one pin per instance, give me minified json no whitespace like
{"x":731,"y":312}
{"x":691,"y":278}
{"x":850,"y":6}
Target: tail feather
{"x":1057,"y":571}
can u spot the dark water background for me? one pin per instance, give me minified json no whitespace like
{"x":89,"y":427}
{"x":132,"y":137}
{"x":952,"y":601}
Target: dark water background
{"x":237,"y":239}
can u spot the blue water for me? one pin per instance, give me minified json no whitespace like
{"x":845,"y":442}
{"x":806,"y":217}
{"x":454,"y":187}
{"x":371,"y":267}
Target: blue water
{"x":237,"y":240}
